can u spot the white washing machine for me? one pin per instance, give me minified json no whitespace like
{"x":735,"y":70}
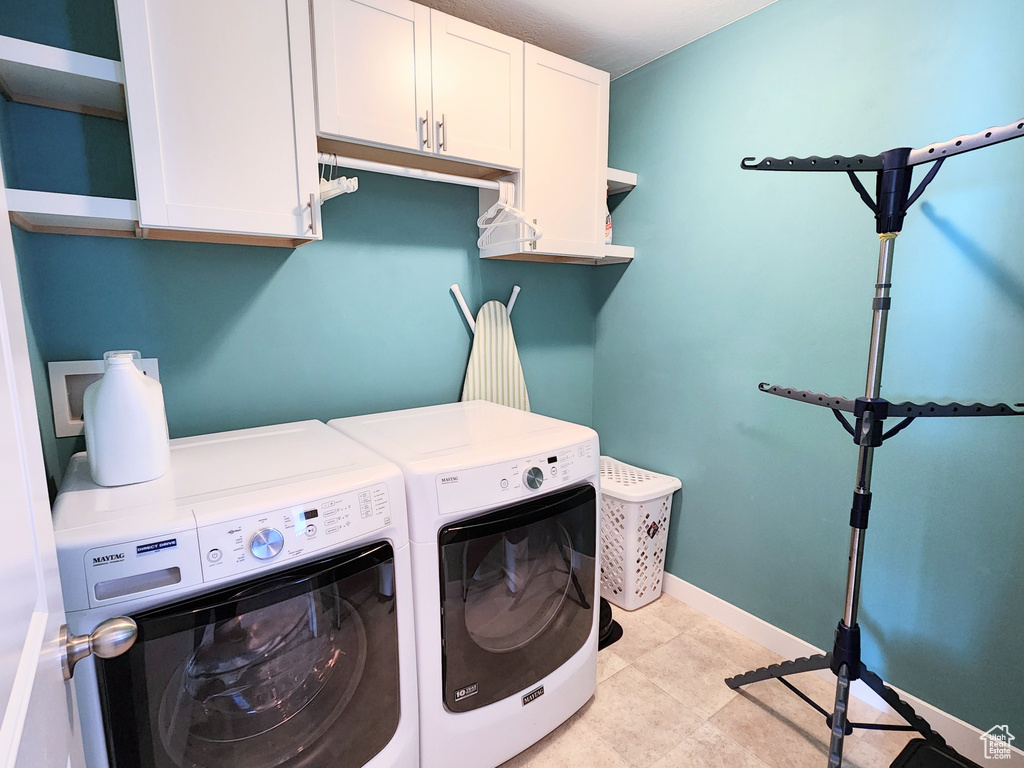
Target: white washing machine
{"x":503,"y":519}
{"x":269,"y":575}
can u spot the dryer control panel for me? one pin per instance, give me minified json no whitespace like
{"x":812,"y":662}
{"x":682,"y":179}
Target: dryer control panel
{"x":507,"y":481}
{"x":236,"y":546}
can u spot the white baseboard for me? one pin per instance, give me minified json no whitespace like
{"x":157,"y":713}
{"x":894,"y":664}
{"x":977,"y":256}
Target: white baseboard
{"x":963,"y":737}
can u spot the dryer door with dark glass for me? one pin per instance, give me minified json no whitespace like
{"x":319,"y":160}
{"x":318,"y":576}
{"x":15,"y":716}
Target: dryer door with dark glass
{"x":298,"y":668}
{"x":517,"y":593}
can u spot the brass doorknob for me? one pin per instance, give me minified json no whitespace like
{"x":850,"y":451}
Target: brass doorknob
{"x":110,"y":638}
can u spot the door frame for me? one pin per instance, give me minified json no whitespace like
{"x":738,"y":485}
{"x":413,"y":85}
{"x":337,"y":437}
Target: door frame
{"x":33,"y":734}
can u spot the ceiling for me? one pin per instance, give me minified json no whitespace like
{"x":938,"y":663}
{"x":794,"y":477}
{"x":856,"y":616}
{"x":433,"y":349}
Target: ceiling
{"x":614,"y":35}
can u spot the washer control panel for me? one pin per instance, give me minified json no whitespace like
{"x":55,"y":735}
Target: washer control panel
{"x":279,"y":535}
{"x":506,"y":481}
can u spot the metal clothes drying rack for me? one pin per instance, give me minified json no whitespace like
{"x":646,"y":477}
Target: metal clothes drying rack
{"x":893,"y":170}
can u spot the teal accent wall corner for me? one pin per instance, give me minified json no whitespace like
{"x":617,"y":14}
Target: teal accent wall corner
{"x":743,"y":277}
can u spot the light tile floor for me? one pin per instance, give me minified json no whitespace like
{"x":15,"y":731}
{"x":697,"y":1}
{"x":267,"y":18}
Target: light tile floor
{"x":661,"y":702}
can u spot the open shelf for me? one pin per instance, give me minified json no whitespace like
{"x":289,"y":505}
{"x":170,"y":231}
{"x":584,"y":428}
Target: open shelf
{"x":60,"y":214}
{"x":45,"y":76}
{"x":613,"y":254}
{"x":72,"y":214}
{"x":616,"y":254}
{"x":620,"y":181}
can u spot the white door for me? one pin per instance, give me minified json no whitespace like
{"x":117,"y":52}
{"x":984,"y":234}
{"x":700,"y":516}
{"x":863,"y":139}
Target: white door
{"x":565,"y":155}
{"x":40,"y":725}
{"x":221,"y":116}
{"x":373,"y":71}
{"x":477,"y":79}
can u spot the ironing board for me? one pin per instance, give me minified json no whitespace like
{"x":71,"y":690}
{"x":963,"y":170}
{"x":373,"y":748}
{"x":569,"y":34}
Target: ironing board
{"x":494,"y":372}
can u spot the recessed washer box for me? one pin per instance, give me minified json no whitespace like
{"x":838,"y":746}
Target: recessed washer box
{"x":68,"y":380}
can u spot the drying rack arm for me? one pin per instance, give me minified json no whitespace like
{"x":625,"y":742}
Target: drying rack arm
{"x":905,"y":409}
{"x":813,"y":163}
{"x":966,"y":143}
{"x":932,"y":152}
{"x":870,"y":413}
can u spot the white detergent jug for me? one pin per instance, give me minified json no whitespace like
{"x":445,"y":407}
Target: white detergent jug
{"x":125,"y":424}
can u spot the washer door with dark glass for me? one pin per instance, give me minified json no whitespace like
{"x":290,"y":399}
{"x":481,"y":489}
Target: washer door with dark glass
{"x":517,"y":595}
{"x":298,"y":669}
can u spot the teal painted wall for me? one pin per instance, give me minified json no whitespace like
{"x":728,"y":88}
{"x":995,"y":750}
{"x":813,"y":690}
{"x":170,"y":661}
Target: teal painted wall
{"x":746,"y":277}
{"x":86,"y":26}
{"x":358,"y":323}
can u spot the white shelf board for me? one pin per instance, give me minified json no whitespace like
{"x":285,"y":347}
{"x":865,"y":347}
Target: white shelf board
{"x":31,"y":73}
{"x":616,"y":254}
{"x":72,"y":214}
{"x":620,"y":181}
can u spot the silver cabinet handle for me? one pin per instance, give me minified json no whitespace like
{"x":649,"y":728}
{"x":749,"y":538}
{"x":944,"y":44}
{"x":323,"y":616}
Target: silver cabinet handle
{"x":442,"y":132}
{"x":111,"y":638}
{"x":312,"y":213}
{"x":425,"y":129}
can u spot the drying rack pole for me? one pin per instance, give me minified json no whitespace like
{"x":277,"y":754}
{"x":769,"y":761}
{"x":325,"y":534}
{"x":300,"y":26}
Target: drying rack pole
{"x":465,"y":307}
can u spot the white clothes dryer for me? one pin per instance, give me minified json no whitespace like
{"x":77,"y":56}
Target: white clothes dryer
{"x":503,"y":519}
{"x":269,"y":575}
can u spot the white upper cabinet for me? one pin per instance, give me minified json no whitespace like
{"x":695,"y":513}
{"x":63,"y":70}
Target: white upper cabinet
{"x":373,"y":71}
{"x":477,"y":78}
{"x":394,"y":74}
{"x":565,"y":159}
{"x":221,"y":115}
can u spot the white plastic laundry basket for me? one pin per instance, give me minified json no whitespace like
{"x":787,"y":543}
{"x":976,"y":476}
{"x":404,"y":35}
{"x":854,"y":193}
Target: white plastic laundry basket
{"x":635,"y":509}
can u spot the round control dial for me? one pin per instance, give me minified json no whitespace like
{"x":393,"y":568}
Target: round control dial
{"x":533,"y":477}
{"x":266,"y":543}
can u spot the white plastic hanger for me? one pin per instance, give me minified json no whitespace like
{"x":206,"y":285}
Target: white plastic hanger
{"x":504,"y":213}
{"x":500,"y":207}
{"x":332,"y":187}
{"x":465,"y":307}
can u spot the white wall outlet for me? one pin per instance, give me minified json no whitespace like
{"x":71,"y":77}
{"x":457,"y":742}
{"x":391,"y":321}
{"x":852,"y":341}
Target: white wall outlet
{"x":68,"y":380}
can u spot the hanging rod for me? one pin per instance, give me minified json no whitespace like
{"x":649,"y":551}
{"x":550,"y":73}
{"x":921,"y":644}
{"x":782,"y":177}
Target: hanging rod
{"x":330,"y":158}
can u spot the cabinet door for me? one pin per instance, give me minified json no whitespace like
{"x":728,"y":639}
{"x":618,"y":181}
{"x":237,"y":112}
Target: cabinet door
{"x":221,"y":115}
{"x":373,"y":71}
{"x":565,"y":154}
{"x":477,"y":78}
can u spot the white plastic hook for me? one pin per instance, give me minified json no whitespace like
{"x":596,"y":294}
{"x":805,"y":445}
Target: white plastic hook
{"x":512,"y":299}
{"x":504,"y":214}
{"x":331,"y":186}
{"x":465,"y":307}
